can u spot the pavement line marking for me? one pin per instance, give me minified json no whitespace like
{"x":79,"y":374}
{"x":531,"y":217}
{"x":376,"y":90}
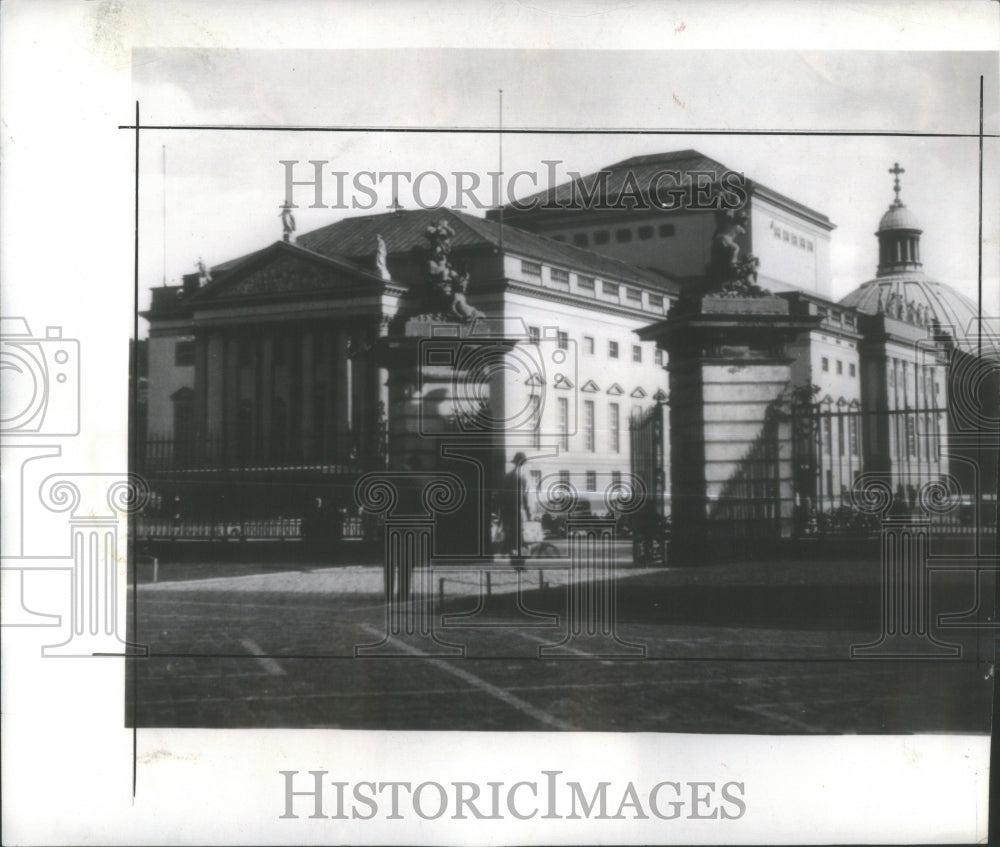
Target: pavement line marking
{"x":266,"y":662}
{"x":547,"y":643}
{"x":483,"y":685}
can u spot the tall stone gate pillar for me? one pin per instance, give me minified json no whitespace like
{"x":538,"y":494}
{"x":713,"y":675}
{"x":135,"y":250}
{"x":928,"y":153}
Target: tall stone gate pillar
{"x":730,"y":433}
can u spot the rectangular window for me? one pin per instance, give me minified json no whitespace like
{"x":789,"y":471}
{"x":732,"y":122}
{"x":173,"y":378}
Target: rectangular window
{"x":591,"y":481}
{"x":840,"y":436}
{"x":564,"y":477}
{"x":911,"y":436}
{"x":852,"y":369}
{"x":666,"y":230}
{"x":623,"y":235}
{"x":184,"y":354}
{"x":588,"y":345}
{"x":777,"y":232}
{"x":601,"y":236}
{"x":853,"y":435}
{"x":586,"y":283}
{"x":613,"y":349}
{"x":588,"y":425}
{"x":809,"y":246}
{"x":563,"y":423}
{"x":636,"y":353}
{"x":825,"y":364}
{"x":633,"y":294}
{"x":581,"y":240}
{"x":616,"y":478}
{"x":559,"y":275}
{"x":840,"y":367}
{"x":795,"y":241}
{"x":614,"y":435}
{"x":610,"y":288}
{"x":658,"y":356}
{"x":531,"y":268}
{"x":827,"y":435}
{"x":784,"y":235}
{"x":645,"y":233}
{"x":656,"y":301}
{"x":536,"y":479}
{"x":534,"y":333}
{"x":562,"y":340}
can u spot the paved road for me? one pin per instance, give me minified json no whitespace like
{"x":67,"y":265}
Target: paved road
{"x":762,"y":648}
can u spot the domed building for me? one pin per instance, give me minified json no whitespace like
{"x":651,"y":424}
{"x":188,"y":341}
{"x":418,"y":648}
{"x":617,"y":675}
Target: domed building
{"x":928,"y":377}
{"x":900,"y":288}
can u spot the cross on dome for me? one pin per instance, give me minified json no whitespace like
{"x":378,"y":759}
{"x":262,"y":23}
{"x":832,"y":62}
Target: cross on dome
{"x":896,"y":170}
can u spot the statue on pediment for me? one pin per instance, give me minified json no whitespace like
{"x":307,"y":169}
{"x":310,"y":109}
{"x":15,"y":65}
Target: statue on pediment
{"x":287,"y":222}
{"x":381,"y":258}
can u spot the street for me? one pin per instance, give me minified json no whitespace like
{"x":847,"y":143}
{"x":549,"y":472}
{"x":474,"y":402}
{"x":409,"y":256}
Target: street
{"x":762,"y":648}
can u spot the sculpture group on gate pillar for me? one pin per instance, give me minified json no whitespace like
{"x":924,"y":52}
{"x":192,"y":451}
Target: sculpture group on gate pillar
{"x":443,"y":294}
{"x":727,"y":273}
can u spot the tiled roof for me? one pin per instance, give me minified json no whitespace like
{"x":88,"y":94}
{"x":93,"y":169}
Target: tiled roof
{"x":354,"y":238}
{"x":644,"y":168}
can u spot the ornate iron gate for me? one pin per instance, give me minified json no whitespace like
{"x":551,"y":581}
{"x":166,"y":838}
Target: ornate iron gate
{"x":649,"y":525}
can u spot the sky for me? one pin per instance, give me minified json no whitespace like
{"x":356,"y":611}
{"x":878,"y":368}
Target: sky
{"x":222,"y":189}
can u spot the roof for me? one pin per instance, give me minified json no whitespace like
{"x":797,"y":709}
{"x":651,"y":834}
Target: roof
{"x":898,"y":217}
{"x":952,"y":309}
{"x":354,"y":238}
{"x":643,"y":169}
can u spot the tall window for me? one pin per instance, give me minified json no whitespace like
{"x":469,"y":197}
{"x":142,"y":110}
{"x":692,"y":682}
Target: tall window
{"x":853,"y":434}
{"x":563,"y":423}
{"x":588,"y":425}
{"x":636,"y":353}
{"x":588,"y":345}
{"x":564,"y":477}
{"x":827,"y":435}
{"x":840,"y":436}
{"x":614,"y":434}
{"x":534,"y":333}
{"x":658,"y":356}
{"x":563,"y":340}
{"x":591,"y":481}
{"x":536,"y":479}
{"x":616,"y":478}
{"x":613,"y":349}
{"x":184,"y":353}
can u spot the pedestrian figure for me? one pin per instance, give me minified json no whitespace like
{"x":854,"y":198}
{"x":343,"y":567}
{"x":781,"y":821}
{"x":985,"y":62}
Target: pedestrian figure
{"x":513,"y":506}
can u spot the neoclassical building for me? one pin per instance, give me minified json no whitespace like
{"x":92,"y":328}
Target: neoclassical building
{"x":270,"y":368}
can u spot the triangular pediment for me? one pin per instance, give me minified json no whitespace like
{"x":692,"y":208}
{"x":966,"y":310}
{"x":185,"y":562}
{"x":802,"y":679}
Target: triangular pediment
{"x":616,"y":389}
{"x":561,"y":381}
{"x":660,"y":395}
{"x":284,"y":269}
{"x":590,"y":387}
{"x":535,"y":379}
{"x":638,"y":393}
